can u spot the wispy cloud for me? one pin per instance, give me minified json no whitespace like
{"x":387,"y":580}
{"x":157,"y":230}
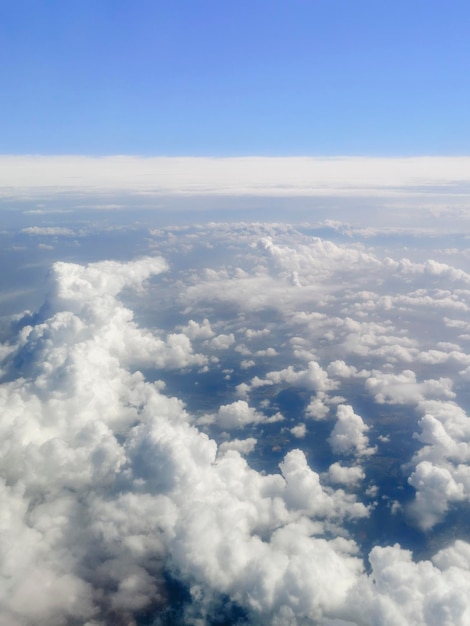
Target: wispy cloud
{"x":52,"y":231}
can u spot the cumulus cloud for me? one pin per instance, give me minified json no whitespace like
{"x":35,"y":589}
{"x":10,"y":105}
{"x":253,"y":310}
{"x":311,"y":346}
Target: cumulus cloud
{"x":194,"y":330}
{"x":348,"y":434}
{"x":314,"y":378}
{"x":317,"y":409}
{"x":47,"y":230}
{"x":234,"y":415}
{"x":243,"y":446}
{"x":404,"y":388}
{"x":299,"y":431}
{"x":343,"y":475}
{"x":222,"y":342}
{"x":113,"y":468}
{"x":406,"y":592}
{"x":441,"y":476}
{"x":305,"y":492}
{"x":109,"y":487}
{"x":435,"y":488}
{"x":339,"y":369}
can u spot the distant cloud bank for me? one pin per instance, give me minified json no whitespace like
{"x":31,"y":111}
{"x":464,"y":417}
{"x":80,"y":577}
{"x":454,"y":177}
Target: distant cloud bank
{"x":242,"y":176}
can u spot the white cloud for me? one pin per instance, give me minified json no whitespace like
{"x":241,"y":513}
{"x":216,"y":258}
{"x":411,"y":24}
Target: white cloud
{"x":256,"y":334}
{"x":117,"y":478}
{"x":348,"y":435}
{"x":234,"y":415}
{"x":403,"y":388}
{"x":299,"y":431}
{"x":341,"y":370}
{"x":269,"y":352}
{"x":342,"y":475}
{"x":435,"y":488}
{"x":222,"y":342}
{"x":107,"y":481}
{"x":405,"y":592}
{"x":240,"y":176}
{"x":314,"y":378}
{"x":317,"y":409}
{"x":243,"y":446}
{"x":194,"y":330}
{"x":304,"y":491}
{"x":47,"y":231}
{"x":441,"y":476}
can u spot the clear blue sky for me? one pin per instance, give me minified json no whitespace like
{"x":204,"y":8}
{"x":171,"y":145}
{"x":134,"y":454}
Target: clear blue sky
{"x":232,"y":77}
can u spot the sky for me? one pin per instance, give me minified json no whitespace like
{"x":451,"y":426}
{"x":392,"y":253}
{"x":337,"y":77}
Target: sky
{"x":277,"y":78}
{"x":234,"y":313}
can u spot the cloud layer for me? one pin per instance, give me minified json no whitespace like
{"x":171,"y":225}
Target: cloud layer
{"x":251,"y":176}
{"x":113,"y":488}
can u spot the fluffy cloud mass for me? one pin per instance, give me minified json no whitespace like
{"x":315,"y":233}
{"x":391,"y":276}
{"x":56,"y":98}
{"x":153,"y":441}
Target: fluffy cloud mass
{"x":148,"y":475}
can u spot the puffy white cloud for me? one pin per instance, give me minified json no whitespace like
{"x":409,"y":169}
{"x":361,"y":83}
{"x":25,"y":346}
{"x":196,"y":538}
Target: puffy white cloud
{"x":435,"y":488}
{"x":403,"y":388}
{"x":269,"y":352}
{"x":348,"y":435}
{"x":342,"y":475}
{"x":61,"y":431}
{"x":194,"y":330}
{"x":108,"y":484}
{"x":299,"y":431}
{"x":405,"y":592}
{"x":317,"y":409}
{"x":222,"y":342}
{"x":440,"y":477}
{"x":234,"y":415}
{"x":457,"y":555}
{"x":314,"y":378}
{"x":73,"y":285}
{"x":304,"y":491}
{"x":237,"y":414}
{"x":256,"y":334}
{"x":120,"y":481}
{"x":243,"y":446}
{"x":339,"y":369}
{"x":442,"y":438}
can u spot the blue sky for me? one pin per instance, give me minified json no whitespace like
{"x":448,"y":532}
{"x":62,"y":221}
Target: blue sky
{"x":264,"y":77}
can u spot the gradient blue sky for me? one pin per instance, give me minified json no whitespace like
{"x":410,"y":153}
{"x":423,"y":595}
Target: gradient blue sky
{"x":214,"y":77}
